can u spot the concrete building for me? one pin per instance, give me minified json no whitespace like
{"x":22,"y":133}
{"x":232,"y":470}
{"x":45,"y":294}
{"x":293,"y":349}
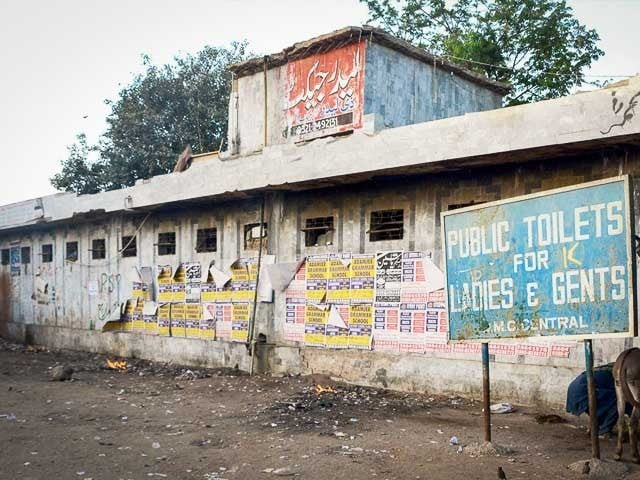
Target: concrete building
{"x":69,"y":262}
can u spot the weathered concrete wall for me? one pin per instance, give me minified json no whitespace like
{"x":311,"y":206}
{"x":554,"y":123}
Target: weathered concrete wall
{"x":399,"y":89}
{"x":403,"y":90}
{"x":66,"y":317}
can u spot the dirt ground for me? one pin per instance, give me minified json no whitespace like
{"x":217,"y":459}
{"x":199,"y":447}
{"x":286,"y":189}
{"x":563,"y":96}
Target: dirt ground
{"x":165,"y":421}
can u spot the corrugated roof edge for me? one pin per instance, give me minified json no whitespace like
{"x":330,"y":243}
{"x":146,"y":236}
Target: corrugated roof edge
{"x":348,"y":35}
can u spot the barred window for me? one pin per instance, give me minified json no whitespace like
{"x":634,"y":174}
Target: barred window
{"x":25,"y":255}
{"x":47,"y":253}
{"x":318,"y":231}
{"x":129,"y":246}
{"x":167,"y":243}
{"x":98,"y":249}
{"x":207,"y":240}
{"x":252,"y":236}
{"x":71,"y":254}
{"x":6,"y":256}
{"x":386,"y":225}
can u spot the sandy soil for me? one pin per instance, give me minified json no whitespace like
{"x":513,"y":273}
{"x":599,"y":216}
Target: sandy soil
{"x":164,"y":421}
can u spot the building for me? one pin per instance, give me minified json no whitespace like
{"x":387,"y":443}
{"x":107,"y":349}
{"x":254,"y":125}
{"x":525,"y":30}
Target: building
{"x":314,"y":189}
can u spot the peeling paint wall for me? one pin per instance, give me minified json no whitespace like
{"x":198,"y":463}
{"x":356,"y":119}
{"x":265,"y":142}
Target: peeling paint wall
{"x":60,"y":302}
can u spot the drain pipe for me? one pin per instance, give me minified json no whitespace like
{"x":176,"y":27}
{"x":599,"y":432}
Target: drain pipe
{"x":251,"y":342}
{"x":266,"y":62}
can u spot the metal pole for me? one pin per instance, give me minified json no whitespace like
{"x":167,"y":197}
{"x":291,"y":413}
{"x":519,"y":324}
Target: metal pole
{"x":486,"y":393}
{"x":591,"y":389}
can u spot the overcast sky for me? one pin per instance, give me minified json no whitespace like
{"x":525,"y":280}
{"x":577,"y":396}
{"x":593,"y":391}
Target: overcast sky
{"x":61,"y":59}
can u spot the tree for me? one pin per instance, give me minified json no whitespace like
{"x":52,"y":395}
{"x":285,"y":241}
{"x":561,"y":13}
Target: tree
{"x":537,"y":46}
{"x":153,"y":118}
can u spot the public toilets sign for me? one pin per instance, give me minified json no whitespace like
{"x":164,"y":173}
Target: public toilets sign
{"x":555,"y":263}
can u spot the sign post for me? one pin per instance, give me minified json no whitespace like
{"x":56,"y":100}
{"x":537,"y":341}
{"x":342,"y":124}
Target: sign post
{"x":486,"y":392}
{"x":591,"y":390}
{"x":556,"y":264}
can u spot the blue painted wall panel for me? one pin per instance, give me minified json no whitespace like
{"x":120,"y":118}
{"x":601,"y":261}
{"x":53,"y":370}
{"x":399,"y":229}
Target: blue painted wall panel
{"x":403,"y":90}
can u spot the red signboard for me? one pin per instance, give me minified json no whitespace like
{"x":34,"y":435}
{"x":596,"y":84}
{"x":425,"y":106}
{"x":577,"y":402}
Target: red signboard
{"x":325,"y":92}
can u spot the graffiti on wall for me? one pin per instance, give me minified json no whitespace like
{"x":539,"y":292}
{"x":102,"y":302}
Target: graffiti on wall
{"x":623,"y":111}
{"x":326,"y":92}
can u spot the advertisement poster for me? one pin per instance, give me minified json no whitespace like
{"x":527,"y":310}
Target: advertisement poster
{"x":337,"y":331}
{"x":178,"y":320}
{"x":338,"y":282}
{"x":360,"y":326}
{"x":150,"y":318}
{"x":14,"y":256}
{"x":241,"y":289}
{"x":240,"y":322}
{"x":164,"y":319}
{"x":411,"y":338}
{"x":414,"y":281}
{"x":388,"y":277}
{"x":326,"y":92}
{"x":208,"y":321}
{"x":316,"y":276}
{"x":386,"y":322}
{"x":362,"y":273}
{"x":294,"y":321}
{"x":315,"y":323}
{"x":193,"y":315}
{"x":179,"y":284}
{"x":164,"y":280}
{"x":224,"y":314}
{"x":140,"y":290}
{"x":138,"y":321}
{"x":127,"y":317}
{"x":193,"y":277}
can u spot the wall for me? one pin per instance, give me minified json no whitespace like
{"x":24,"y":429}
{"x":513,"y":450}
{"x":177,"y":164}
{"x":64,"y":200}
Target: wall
{"x":403,"y":90}
{"x":398,"y":89}
{"x":66,"y":316}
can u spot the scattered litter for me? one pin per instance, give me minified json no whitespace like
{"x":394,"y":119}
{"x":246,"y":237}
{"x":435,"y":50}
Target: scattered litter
{"x":453,"y":440}
{"x":284,"y":472}
{"x":502,"y":408}
{"x":8,"y":416}
{"x":155,"y":445}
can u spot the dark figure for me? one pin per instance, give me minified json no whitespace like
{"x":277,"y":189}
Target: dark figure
{"x":606,"y":411}
{"x":501,"y":474}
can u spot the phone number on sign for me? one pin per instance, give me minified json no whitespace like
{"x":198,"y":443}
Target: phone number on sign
{"x":323,"y":124}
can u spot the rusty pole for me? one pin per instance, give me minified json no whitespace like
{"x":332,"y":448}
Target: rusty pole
{"x":486,"y":393}
{"x":591,"y":390}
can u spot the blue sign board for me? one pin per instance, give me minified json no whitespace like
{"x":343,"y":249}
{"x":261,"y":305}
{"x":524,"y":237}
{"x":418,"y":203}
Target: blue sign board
{"x":14,"y":254}
{"x":554,"y":263}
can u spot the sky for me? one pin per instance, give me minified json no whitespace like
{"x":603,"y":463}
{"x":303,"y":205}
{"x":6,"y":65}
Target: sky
{"x":62,"y":59}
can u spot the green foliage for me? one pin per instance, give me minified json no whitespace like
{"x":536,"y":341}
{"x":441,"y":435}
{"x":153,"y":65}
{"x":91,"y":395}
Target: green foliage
{"x":154,"y":117}
{"x":537,"y":46}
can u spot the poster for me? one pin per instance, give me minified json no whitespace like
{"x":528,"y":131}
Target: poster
{"x":223,"y":321}
{"x":127,"y":317}
{"x":337,"y":331}
{"x":338,"y":281}
{"x":150,"y":318}
{"x":193,"y":315}
{"x":241,"y":288}
{"x":140,"y":290}
{"x":208,"y":321}
{"x":179,"y":285}
{"x":362,"y":272}
{"x":315,"y":323}
{"x":137,"y":320}
{"x":411,"y":338}
{"x":414,"y":281}
{"x":193,"y":277}
{"x":178,"y":320}
{"x":294,"y":321}
{"x":164,"y":280}
{"x":388,"y":277}
{"x":164,"y":319}
{"x":316,"y":278}
{"x":360,"y":325}
{"x":240,"y":322}
{"x":326,"y":92}
{"x":386,"y":322}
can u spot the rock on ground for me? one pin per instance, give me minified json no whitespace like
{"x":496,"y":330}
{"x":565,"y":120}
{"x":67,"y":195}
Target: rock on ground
{"x":600,"y":469}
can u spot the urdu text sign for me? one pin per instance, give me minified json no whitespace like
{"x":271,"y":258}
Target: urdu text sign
{"x":555,"y":263}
